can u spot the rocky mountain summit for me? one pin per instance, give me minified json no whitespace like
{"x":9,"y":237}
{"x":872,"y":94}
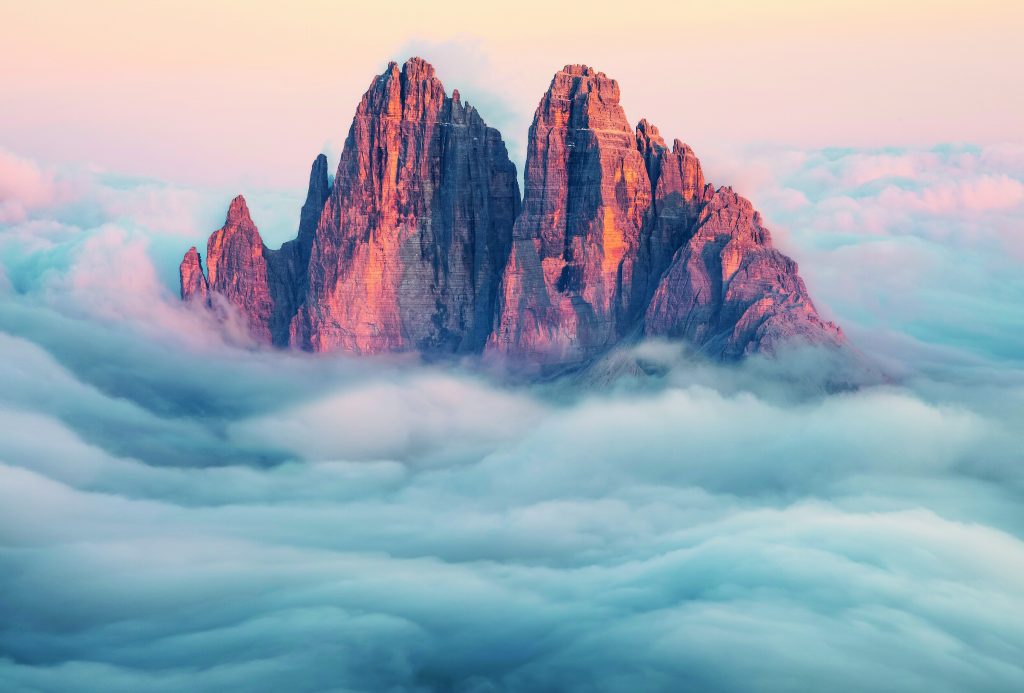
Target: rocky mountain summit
{"x":422,"y":243}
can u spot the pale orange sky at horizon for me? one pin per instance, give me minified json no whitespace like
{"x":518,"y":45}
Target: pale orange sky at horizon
{"x":246,"y":93}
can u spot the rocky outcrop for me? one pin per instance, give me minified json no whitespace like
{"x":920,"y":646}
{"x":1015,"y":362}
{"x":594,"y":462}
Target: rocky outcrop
{"x":729,"y":292}
{"x":620,"y":238}
{"x":678,"y":190}
{"x":568,"y":285}
{"x":289,"y":267}
{"x":236,"y":266}
{"x":264,"y":286}
{"x":408,"y":252}
{"x":316,"y":197}
{"x":419,"y":243}
{"x":194,"y":286}
{"x":403,"y":252}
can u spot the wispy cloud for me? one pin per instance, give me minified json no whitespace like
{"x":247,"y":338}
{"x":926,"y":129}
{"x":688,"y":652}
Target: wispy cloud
{"x":181,"y":510}
{"x":926,"y":243}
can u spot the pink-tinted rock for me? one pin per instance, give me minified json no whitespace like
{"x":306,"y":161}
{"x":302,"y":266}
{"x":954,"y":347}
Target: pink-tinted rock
{"x":237,"y":269}
{"x":408,"y":252}
{"x":194,"y":286}
{"x":569,"y":282}
{"x":677,"y":184}
{"x":419,"y":244}
{"x":263,"y":285}
{"x":620,"y":236}
{"x":729,"y":292}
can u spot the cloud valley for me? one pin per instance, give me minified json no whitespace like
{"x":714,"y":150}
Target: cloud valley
{"x":181,"y":510}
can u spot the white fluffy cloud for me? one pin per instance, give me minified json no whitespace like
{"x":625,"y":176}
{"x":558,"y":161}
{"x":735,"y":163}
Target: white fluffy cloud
{"x":179,"y":510}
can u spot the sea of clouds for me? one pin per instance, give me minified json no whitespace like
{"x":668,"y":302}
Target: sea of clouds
{"x":180,"y":510}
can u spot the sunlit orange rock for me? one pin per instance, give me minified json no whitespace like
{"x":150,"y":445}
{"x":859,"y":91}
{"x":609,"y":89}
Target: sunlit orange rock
{"x":403,"y":252}
{"x":621,"y":237}
{"x":568,"y":287}
{"x":236,"y":267}
{"x":194,"y":286}
{"x":419,"y":243}
{"x":409,"y":249}
{"x":677,"y":183}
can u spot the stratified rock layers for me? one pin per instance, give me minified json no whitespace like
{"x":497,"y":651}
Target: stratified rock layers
{"x":412,"y":240}
{"x":404,"y":251}
{"x":729,"y":292}
{"x":194,"y":286}
{"x":621,"y":237}
{"x":419,"y":244}
{"x":567,"y":288}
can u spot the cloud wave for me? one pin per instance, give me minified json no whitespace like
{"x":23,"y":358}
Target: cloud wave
{"x":180,"y":510}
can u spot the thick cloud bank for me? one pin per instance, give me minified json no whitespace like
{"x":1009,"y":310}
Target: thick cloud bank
{"x":181,"y":511}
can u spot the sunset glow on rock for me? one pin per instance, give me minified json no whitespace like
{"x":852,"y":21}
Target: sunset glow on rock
{"x":420,"y":245}
{"x":326,"y":368}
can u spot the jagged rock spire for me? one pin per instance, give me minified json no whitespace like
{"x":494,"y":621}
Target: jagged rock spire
{"x":194,"y":286}
{"x":570,"y":278}
{"x":316,"y":197}
{"x":419,"y":244}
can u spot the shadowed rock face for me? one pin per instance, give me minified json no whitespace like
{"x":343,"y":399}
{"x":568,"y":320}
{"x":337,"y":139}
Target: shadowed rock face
{"x":677,"y":185}
{"x":620,"y":236}
{"x":194,"y":286}
{"x":404,"y":252}
{"x":728,"y":291}
{"x":411,"y":242}
{"x":419,"y":244}
{"x":569,"y":282}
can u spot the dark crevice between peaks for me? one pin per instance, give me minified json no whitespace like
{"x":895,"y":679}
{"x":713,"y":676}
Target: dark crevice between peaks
{"x":651,"y":146}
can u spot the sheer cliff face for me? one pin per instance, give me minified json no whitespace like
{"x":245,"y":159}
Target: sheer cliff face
{"x":569,"y":282}
{"x":730,"y":292}
{"x":714,"y":279}
{"x":194,"y":286}
{"x":419,"y":244}
{"x":236,"y":266}
{"x":621,"y":237}
{"x":404,"y":252}
{"x":677,"y":185}
{"x":409,"y":248}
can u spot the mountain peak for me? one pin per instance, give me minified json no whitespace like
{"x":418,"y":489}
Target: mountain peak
{"x":417,"y":69}
{"x":647,"y":135}
{"x":681,"y":148}
{"x":423,"y":244}
{"x":193,"y":281}
{"x":577,"y":82}
{"x":580,"y":70}
{"x":410,"y":93}
{"x":238,"y":212}
{"x":408,"y":250}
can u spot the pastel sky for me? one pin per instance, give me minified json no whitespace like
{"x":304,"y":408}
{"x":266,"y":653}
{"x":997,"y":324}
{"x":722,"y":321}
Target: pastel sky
{"x":245,"y":93}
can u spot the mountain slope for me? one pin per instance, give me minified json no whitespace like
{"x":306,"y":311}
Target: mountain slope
{"x":420,"y":244}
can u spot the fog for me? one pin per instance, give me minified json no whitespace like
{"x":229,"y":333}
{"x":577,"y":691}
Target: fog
{"x":181,"y":510}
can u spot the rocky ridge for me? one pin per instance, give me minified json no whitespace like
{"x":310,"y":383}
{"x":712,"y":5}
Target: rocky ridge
{"x":422,"y":243}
